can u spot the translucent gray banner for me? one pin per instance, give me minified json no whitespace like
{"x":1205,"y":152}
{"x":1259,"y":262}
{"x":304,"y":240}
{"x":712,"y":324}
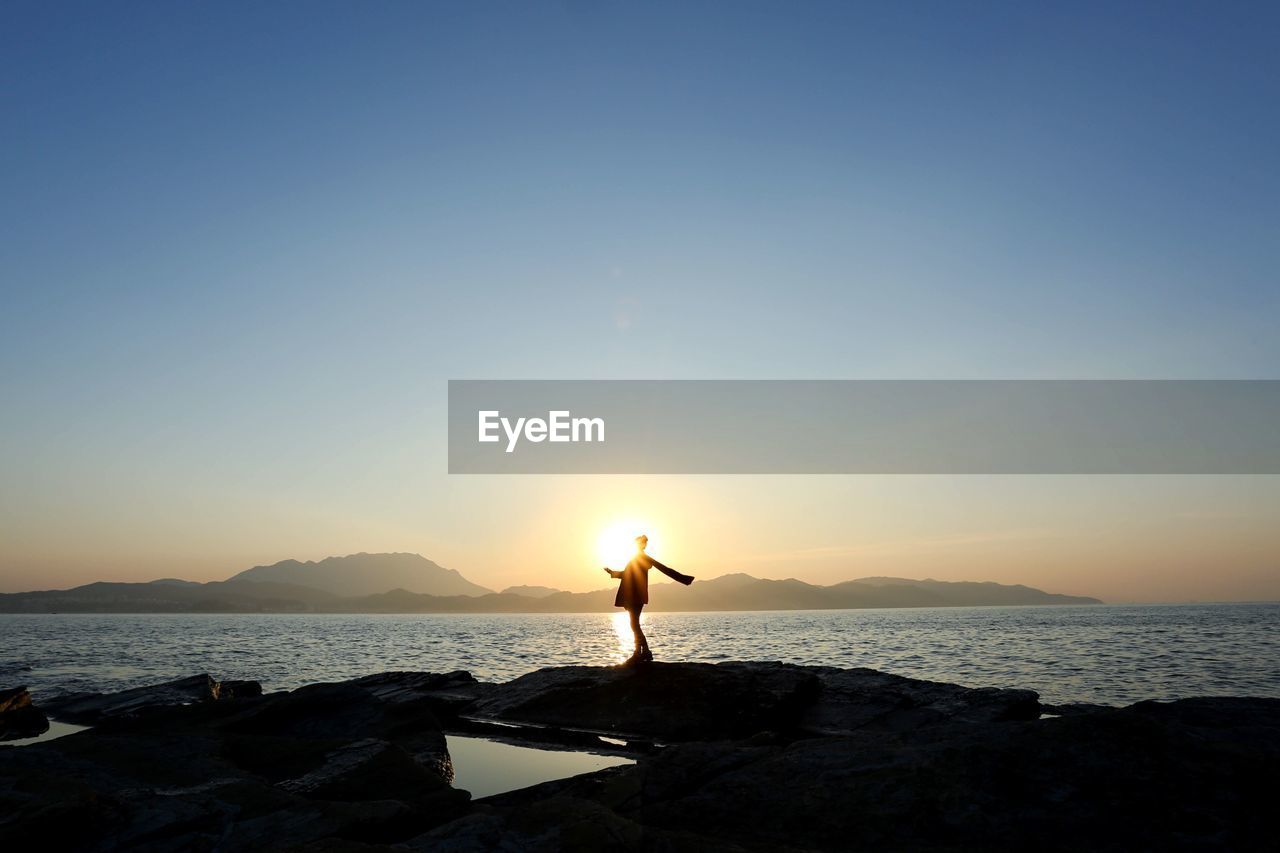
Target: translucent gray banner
{"x":864,"y":427}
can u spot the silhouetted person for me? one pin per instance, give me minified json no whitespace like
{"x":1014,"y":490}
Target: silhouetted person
{"x":633,"y":592}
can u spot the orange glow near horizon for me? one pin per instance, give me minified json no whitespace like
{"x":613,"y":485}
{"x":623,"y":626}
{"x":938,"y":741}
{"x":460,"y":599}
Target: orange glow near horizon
{"x":1128,"y":539}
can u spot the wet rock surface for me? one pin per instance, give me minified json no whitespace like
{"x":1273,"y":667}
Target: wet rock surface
{"x":759,"y":756}
{"x":91,"y":708}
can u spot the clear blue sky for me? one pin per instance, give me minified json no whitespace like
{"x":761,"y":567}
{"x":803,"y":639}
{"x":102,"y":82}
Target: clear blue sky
{"x":244,"y":245}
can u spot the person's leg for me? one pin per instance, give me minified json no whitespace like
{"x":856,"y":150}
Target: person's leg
{"x":645,"y":654}
{"x":641,"y":643}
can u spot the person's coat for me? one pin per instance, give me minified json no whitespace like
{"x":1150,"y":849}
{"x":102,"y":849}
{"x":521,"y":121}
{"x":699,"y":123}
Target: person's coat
{"x":634,"y":589}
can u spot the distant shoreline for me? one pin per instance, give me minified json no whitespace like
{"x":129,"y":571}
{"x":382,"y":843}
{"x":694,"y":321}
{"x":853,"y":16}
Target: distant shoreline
{"x":615,"y":611}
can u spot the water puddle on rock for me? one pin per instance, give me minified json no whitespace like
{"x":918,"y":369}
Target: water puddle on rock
{"x":487,"y":767}
{"x":55,"y":730}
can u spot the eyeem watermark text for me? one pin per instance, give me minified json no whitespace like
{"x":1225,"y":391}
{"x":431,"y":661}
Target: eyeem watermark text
{"x":558,"y":426}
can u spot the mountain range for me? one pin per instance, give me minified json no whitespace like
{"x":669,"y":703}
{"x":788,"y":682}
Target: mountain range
{"x":409,"y":583}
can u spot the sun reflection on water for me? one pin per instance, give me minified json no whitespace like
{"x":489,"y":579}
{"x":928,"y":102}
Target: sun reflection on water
{"x":626,"y":641}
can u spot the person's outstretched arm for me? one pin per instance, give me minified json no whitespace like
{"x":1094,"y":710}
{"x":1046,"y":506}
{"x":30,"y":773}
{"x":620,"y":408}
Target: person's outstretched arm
{"x":672,"y":573}
{"x":612,"y":573}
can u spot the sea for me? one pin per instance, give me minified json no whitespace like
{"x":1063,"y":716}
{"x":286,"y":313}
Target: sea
{"x":1109,"y":654}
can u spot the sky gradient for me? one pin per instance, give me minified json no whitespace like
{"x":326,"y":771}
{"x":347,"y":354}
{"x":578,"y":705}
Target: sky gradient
{"x":245,"y":246}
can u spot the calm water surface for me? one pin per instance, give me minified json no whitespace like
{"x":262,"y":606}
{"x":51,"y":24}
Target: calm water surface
{"x":1112,"y":653}
{"x":485,"y":767}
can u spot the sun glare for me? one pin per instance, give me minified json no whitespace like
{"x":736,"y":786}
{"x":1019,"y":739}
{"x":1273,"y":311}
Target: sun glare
{"x":622,"y":630}
{"x":617,"y":542}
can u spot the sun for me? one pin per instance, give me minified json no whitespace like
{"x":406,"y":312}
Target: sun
{"x":617,"y":543}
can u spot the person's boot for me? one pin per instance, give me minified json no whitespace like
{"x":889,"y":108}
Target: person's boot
{"x":635,"y":658}
{"x":646,"y":655}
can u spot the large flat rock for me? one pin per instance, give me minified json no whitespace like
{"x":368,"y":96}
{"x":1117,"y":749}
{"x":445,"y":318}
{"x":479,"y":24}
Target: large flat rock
{"x":1189,"y":775}
{"x":447,"y":694}
{"x":90,"y":708}
{"x":662,"y":701}
{"x":697,"y":701}
{"x":853,"y":699}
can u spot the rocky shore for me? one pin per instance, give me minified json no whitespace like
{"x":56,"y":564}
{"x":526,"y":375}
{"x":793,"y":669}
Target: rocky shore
{"x":732,"y":756}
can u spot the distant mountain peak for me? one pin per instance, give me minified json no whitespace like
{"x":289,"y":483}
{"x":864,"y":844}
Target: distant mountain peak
{"x":366,"y":574}
{"x":732,"y":579}
{"x":530,"y":591}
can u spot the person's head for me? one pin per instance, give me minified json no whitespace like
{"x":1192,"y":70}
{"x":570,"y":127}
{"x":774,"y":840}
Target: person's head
{"x":641,"y":541}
